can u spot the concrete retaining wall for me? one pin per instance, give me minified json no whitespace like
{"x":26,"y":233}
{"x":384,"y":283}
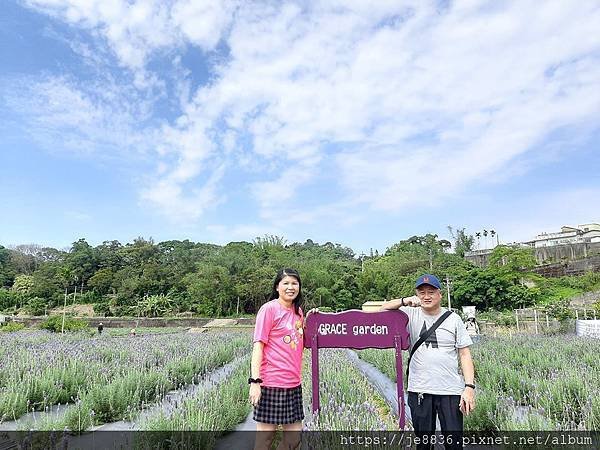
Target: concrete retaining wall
{"x":557,"y":260}
{"x":120,"y":322}
{"x":587,"y":299}
{"x":578,"y":267}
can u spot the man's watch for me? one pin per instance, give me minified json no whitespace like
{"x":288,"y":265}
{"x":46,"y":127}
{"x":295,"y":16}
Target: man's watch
{"x":254,"y":380}
{"x":472,"y":386}
{"x":402,"y":301}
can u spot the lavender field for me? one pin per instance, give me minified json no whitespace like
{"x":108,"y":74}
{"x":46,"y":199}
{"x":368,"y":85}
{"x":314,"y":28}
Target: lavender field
{"x":524,"y":383}
{"x":103,"y":378}
{"x":529,"y":382}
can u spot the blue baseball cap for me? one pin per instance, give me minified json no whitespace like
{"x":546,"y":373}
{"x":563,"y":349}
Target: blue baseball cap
{"x":429,"y":279}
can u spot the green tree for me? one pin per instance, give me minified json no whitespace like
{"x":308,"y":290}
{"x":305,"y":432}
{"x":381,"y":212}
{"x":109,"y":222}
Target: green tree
{"x":8,"y":299}
{"x":323,"y":297}
{"x":23,"y":287}
{"x":463,"y":242}
{"x":102,"y":281}
{"x":81,"y":261}
{"x":46,"y":284}
{"x":7,"y":270}
{"x":36,"y":306}
{"x":211,"y":291}
{"x":512,"y":259}
{"x":253,"y":286}
{"x":109,"y":255}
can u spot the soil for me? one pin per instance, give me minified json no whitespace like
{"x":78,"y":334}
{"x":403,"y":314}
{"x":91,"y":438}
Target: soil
{"x":77,"y":310}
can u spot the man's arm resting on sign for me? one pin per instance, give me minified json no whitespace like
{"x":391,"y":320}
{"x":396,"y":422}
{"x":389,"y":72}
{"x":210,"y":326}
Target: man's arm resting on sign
{"x":396,"y":303}
{"x":257,"y":356}
{"x":467,"y":399}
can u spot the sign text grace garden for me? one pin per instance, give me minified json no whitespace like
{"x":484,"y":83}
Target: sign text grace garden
{"x":358,"y":330}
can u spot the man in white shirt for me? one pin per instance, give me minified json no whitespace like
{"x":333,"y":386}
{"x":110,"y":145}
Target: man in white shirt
{"x":435,"y":386}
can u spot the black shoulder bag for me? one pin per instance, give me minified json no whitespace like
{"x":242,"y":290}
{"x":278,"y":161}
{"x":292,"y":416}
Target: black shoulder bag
{"x":423,"y":338}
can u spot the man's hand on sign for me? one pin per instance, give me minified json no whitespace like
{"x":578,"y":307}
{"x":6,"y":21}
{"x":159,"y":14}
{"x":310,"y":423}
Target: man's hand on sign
{"x":412,"y":301}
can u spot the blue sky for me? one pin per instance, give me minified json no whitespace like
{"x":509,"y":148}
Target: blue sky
{"x":362,"y":123}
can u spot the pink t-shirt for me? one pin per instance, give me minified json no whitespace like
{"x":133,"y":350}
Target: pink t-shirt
{"x":280,"y":329}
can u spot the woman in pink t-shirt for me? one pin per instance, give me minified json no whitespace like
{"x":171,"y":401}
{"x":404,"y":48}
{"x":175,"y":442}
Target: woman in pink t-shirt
{"x":275,"y":385}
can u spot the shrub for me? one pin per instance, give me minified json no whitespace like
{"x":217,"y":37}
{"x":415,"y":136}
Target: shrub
{"x":55,"y":324}
{"x":8,"y":299}
{"x":12,"y":326}
{"x":125,"y":311}
{"x":102,"y":308}
{"x":36,"y":306}
{"x":89,"y":297}
{"x":561,"y":311}
{"x":505,"y":318}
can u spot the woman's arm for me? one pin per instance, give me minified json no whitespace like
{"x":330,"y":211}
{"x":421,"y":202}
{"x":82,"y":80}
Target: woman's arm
{"x":305,"y":342}
{"x":257,"y":356}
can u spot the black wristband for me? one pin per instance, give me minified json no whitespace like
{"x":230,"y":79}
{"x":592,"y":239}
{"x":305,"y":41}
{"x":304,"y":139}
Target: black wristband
{"x":472,"y":386}
{"x":402,"y":301}
{"x":254,"y":380}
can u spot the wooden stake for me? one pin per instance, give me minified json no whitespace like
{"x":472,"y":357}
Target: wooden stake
{"x":64,"y":312}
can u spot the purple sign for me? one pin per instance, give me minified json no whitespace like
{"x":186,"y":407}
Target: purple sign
{"x":358,"y":329}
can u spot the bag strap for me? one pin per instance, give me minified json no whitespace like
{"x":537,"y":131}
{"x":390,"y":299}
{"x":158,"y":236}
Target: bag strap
{"x":423,"y":338}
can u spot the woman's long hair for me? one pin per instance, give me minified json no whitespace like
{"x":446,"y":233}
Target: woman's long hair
{"x":289,"y":273}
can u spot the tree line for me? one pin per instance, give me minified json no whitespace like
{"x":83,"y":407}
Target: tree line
{"x":144,"y":278}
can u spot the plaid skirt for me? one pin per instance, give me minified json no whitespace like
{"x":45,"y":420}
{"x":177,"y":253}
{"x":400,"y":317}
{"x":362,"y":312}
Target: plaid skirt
{"x":279,"y":405}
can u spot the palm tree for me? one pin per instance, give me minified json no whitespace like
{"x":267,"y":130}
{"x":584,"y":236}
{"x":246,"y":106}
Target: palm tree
{"x":493,"y":233}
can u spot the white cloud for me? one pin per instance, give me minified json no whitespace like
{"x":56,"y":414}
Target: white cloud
{"x":428,"y":105}
{"x":414,"y":102}
{"x":181,"y":205}
{"x":100,"y":119}
{"x":134,"y":30}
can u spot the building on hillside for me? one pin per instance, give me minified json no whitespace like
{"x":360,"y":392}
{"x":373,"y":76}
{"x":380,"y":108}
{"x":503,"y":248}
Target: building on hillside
{"x":586,"y":233}
{"x":569,"y":244}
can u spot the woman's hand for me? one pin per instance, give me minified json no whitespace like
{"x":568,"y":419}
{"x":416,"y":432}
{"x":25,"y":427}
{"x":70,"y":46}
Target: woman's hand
{"x":255,"y":392}
{"x":311,"y":311}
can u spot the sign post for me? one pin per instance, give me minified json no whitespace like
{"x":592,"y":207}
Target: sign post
{"x":358,"y":330}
